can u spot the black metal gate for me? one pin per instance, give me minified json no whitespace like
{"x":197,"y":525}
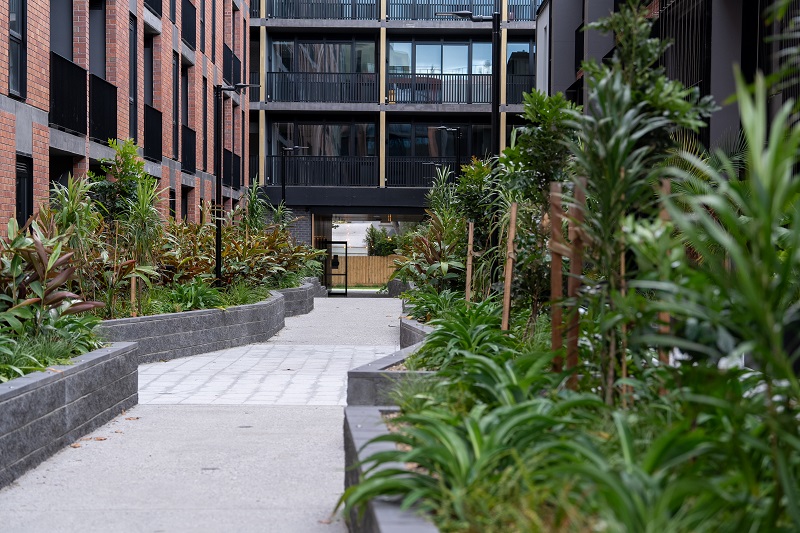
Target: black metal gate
{"x":335,"y":266}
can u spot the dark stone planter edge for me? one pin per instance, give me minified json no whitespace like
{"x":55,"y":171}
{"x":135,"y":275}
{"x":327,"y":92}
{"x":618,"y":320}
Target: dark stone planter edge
{"x":361,"y":424}
{"x":44,"y":411}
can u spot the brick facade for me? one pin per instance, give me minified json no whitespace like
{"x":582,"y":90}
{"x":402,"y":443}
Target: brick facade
{"x":27,"y":126}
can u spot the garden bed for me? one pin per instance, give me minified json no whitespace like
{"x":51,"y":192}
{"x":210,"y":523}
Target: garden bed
{"x":44,"y":411}
{"x":170,"y":336}
{"x":412,"y":332}
{"x":372,"y":384}
{"x":361,"y":424}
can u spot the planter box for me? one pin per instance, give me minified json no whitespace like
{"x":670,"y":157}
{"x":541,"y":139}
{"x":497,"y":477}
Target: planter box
{"x":360,"y":425}
{"x":174,"y":335}
{"x":372,"y":384}
{"x":412,"y":332}
{"x":44,"y":411}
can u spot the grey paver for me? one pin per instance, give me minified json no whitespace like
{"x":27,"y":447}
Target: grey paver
{"x":226,"y":441}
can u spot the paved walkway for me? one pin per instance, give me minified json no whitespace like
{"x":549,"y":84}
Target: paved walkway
{"x":240,"y":440}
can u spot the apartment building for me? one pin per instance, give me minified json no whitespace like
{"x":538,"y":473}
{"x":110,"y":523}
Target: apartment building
{"x":361,"y":100}
{"x":76,"y":73}
{"x":709,"y":38}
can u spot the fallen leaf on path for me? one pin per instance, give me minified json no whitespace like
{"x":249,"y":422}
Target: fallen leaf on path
{"x":101,"y":438}
{"x":118,"y":431}
{"x":328,"y":521}
{"x":132,"y":418}
{"x":75,"y":445}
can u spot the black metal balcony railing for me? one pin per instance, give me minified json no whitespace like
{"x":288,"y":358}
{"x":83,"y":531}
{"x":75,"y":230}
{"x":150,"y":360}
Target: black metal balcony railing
{"x":425,"y":10}
{"x":255,"y":9}
{"x":67,"y":95}
{"x":227,"y":162}
{"x":322,"y":87}
{"x":255,"y":92}
{"x":188,"y":150}
{"x":253,"y":164}
{"x":156,"y":6}
{"x":323,"y":9}
{"x":152,"y":134}
{"x":516,"y":85}
{"x":418,"y":171}
{"x":189,"y":24}
{"x":236,"y":66}
{"x":236,"y":172}
{"x":439,"y":88}
{"x":231,"y":66}
{"x":523,"y":9}
{"x":102,"y":110}
{"x":323,"y":171}
{"x":227,"y":63}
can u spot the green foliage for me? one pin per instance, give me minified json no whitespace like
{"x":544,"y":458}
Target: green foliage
{"x":253,"y":212}
{"x":196,"y":294}
{"x":125,"y":171}
{"x":427,"y":304}
{"x":379,"y":242}
{"x":464,"y":330}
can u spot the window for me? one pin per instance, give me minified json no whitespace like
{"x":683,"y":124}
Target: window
{"x":133,"y":79}
{"x":185,"y":192}
{"x":205,"y":124}
{"x":97,"y":38}
{"x":176,"y":102}
{"x":331,"y":139}
{"x":185,"y":97}
{"x":203,"y":26}
{"x":24,"y":189}
{"x":213,"y":32}
{"x":172,"y":10}
{"x":61,"y":28}
{"x":325,"y":56}
{"x":440,"y":58}
{"x":172,"y":203}
{"x":148,"y":69}
{"x":17,"y":60}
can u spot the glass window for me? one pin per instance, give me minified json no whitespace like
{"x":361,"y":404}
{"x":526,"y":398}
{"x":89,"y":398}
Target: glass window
{"x":16,"y":48}
{"x":282,"y":56}
{"x":365,"y":57}
{"x":429,"y":59}
{"x":398,"y":142}
{"x":481,"y":58}
{"x":455,"y":59}
{"x":518,"y":57}
{"x":399,"y":58}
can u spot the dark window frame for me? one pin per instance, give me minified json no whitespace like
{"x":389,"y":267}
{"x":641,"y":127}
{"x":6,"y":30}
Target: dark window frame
{"x":202,"y":9}
{"x":19,"y":39}
{"x":205,"y":124}
{"x":23,"y":186}
{"x":176,"y":102}
{"x":213,"y":31}
{"x":172,"y":10}
{"x":133,"y":78}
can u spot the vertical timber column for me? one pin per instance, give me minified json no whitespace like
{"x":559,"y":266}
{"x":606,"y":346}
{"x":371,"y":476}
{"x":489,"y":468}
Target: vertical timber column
{"x":503,"y":71}
{"x":381,"y":94}
{"x":262,"y":115}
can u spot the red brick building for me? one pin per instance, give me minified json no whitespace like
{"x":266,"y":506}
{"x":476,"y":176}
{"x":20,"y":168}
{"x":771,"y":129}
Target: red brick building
{"x":75,"y":73}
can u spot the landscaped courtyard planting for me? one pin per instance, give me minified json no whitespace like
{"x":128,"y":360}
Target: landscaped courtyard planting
{"x":646,"y":379}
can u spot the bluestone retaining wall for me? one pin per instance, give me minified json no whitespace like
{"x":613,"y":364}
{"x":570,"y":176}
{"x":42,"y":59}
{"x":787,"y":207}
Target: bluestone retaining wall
{"x":42,"y":412}
{"x":360,"y":425}
{"x":412,"y":332}
{"x":170,"y":336}
{"x":371,"y":384}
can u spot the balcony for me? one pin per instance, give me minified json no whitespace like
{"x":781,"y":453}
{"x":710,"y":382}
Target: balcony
{"x":102,"y":110}
{"x":323,"y":171}
{"x":255,"y":92}
{"x":189,"y":24}
{"x":227,"y":163}
{"x":417,"y":171}
{"x":425,"y":10}
{"x":156,"y":6}
{"x":153,"y":133}
{"x":188,"y":150}
{"x":322,"y":87}
{"x":323,"y":9}
{"x":439,"y":88}
{"x":67,"y":95}
{"x":255,"y":9}
{"x":236,"y":172}
{"x":516,"y":85}
{"x":231,"y":66}
{"x":522,"y":10}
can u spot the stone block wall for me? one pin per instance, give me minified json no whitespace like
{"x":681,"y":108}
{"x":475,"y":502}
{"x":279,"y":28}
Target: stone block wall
{"x":44,"y":411}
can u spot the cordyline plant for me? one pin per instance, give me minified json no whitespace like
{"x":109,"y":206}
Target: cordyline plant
{"x":35,"y":272}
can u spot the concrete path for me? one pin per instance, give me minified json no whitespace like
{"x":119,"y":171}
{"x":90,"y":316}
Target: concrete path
{"x":245,"y":439}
